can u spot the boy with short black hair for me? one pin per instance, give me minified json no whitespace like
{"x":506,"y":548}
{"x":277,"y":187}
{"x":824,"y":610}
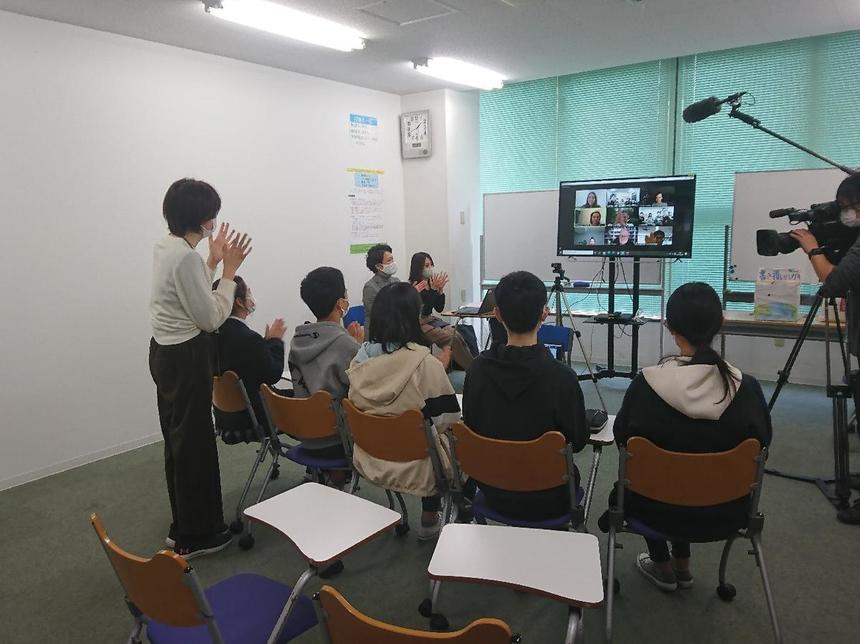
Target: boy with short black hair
{"x":518,"y":392}
{"x":321,"y":351}
{"x":380,"y":262}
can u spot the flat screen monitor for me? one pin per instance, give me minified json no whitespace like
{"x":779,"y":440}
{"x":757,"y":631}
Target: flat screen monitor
{"x":646,"y":217}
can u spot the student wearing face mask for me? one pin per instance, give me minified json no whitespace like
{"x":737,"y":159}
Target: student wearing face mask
{"x":380,"y":262}
{"x":431,"y":286}
{"x":256,"y":359}
{"x":184,"y":312}
{"x":321,"y":351}
{"x":842,"y":280}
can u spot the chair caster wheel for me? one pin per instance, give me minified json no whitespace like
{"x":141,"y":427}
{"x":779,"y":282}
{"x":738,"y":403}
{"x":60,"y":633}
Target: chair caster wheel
{"x":276,"y":472}
{"x":438,"y":622}
{"x":237,"y":526}
{"x":246,"y":542}
{"x":616,"y":586}
{"x":401,"y":529}
{"x":726,"y":592}
{"x":425,"y":608}
{"x":332,"y":570}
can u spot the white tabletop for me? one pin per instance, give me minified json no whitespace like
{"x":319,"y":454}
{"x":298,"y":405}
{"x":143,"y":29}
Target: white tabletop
{"x":323,"y":523}
{"x":605,"y":436}
{"x":561,"y":565}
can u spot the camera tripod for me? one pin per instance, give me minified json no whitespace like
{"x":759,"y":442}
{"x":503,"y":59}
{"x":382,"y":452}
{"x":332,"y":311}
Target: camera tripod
{"x":838,"y":489}
{"x":561,"y":302}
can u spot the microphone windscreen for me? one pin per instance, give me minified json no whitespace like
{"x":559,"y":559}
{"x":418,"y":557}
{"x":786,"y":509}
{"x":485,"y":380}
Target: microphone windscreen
{"x":701,"y":110}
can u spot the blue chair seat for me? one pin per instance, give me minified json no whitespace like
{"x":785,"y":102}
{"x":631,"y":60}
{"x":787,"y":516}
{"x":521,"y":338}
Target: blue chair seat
{"x":298,"y":454}
{"x":482,"y":510}
{"x":246,"y":608}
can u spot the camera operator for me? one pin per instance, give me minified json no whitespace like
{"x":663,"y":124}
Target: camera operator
{"x":842,"y":280}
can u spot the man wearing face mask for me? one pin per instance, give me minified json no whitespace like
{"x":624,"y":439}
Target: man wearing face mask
{"x":842,"y":280}
{"x":321,"y":351}
{"x":256,"y":359}
{"x":380,"y":262}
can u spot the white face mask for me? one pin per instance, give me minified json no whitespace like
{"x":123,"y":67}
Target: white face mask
{"x":344,"y":310}
{"x":208,"y":232}
{"x":251,"y":307}
{"x":389,"y":269}
{"x":848,"y":217}
{"x":427,"y":273}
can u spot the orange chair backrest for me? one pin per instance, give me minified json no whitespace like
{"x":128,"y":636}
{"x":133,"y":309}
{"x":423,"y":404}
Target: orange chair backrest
{"x":302,"y":418}
{"x":226,"y":395}
{"x":693,"y":480}
{"x":348,"y":626}
{"x":399,"y":439}
{"x":155,"y":586}
{"x":518,"y":466}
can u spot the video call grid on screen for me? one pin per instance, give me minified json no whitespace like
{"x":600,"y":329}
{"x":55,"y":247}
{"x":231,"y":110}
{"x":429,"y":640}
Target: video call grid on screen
{"x":647,"y":217}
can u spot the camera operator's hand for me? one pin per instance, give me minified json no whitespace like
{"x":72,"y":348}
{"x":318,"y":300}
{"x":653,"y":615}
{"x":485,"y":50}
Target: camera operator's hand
{"x":805,"y":238}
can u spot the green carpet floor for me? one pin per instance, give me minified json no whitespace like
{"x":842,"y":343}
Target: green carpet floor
{"x":57,"y":585}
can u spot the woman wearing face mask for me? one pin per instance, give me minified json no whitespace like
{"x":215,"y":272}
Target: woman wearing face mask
{"x":256,"y":359}
{"x":184,"y":312}
{"x":842,"y":280}
{"x":694,"y":402}
{"x":431,"y":286}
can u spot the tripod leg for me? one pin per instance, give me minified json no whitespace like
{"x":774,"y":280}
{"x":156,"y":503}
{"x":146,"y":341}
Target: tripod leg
{"x":785,"y":372}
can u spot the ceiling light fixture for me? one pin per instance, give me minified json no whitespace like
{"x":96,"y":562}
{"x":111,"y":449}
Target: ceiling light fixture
{"x":278,"y":19}
{"x":456,"y":71}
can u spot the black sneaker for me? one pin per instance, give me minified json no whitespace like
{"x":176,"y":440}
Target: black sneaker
{"x":202,"y":547}
{"x":851,"y":515}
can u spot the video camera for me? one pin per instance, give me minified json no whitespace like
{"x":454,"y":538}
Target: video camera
{"x":823,"y":222}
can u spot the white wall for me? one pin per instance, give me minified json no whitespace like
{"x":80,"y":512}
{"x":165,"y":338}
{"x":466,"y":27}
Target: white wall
{"x":94,"y":128}
{"x":425,"y":189}
{"x":437,"y":190}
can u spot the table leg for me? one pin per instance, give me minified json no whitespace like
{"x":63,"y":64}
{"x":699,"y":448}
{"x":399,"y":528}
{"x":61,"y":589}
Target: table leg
{"x":288,"y":607}
{"x":592,"y":479}
{"x":574,"y":626}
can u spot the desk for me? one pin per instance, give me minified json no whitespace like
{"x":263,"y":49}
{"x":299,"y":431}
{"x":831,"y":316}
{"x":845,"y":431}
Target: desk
{"x":743,"y":323}
{"x":324,"y":524}
{"x":564,"y":566}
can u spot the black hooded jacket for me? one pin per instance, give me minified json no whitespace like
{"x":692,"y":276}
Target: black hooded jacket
{"x":519,"y":394}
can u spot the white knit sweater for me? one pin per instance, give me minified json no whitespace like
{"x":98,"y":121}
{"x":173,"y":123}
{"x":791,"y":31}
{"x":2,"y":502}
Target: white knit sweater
{"x":183,"y":303}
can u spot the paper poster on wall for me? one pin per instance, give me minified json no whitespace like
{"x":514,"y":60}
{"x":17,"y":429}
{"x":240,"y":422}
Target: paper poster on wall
{"x":363,"y":130}
{"x":777,"y":294}
{"x":365,"y":209}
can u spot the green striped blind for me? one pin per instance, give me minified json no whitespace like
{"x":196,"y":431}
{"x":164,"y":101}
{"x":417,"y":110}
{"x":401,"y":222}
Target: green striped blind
{"x":587,"y":125}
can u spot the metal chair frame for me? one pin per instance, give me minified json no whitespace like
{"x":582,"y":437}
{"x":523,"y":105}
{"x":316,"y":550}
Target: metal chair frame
{"x":753,"y":531}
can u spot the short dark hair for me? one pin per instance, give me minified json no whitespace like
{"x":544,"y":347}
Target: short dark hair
{"x":241,"y":289}
{"x":375,"y":256}
{"x":187,"y":204}
{"x":394,"y":317}
{"x":416,"y":266}
{"x":848,"y":191}
{"x":660,"y":233}
{"x":520,"y":298}
{"x":321,"y":289}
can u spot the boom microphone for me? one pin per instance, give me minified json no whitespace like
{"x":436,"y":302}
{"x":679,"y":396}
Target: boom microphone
{"x":707,"y":107}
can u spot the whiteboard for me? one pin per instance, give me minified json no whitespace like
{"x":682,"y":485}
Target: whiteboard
{"x":521,"y":234}
{"x":756,"y":194}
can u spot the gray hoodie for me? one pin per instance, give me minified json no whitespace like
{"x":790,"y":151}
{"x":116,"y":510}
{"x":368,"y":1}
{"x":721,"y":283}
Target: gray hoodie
{"x":320,"y":354}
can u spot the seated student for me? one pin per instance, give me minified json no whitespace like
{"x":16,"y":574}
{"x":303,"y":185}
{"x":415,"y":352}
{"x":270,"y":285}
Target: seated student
{"x":695,"y":402}
{"x":395,"y":372}
{"x":256,"y":359}
{"x":320,"y":352}
{"x":436,"y":330}
{"x":380,"y":262}
{"x":518,"y":392}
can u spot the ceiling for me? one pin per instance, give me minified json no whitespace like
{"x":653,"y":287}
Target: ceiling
{"x":522,"y":39}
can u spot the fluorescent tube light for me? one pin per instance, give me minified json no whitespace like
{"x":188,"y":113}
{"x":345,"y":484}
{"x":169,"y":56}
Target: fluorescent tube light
{"x":456,"y":71}
{"x":278,"y":19}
